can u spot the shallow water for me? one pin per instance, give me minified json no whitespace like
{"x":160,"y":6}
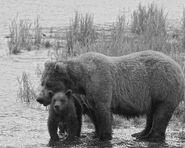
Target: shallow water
{"x":24,"y":126}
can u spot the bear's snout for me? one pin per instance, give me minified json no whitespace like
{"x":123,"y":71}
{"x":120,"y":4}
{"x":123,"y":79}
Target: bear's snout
{"x":40,"y":100}
{"x":57,"y":108}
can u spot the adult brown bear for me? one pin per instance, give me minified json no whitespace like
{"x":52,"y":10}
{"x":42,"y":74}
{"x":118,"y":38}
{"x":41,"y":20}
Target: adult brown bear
{"x":143,"y":83}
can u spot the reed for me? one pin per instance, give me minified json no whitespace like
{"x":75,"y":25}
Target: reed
{"x":149,"y":24}
{"x":24,"y":35}
{"x":26,"y":91}
{"x":183,"y":30}
{"x":37,"y":34}
{"x":81,"y":33}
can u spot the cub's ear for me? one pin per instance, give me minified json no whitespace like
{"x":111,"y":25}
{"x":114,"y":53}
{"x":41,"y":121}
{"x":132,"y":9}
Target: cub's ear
{"x":68,"y":93}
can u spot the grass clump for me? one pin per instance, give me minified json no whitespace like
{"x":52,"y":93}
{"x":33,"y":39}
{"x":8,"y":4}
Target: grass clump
{"x":117,"y":37}
{"x":183,"y":29}
{"x":149,"y":23}
{"x":19,"y":36}
{"x":81,"y":33}
{"x":26,"y":91}
{"x":148,"y":31}
{"x":47,"y":44}
{"x":37,"y":34}
{"x":24,"y":35}
{"x":149,"y":19}
{"x":111,"y":41}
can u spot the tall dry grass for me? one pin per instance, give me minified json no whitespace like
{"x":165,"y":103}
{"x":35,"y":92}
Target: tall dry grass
{"x":148,"y":31}
{"x":26,"y":92}
{"x":149,"y":24}
{"x":109,"y":42}
{"x":183,"y":29}
{"x":37,"y":33}
{"x":19,"y":36}
{"x":81,"y":33}
{"x":24,"y":35}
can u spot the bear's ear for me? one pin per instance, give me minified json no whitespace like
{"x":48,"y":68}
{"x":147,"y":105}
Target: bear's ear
{"x":57,"y":67}
{"x":60,"y":67}
{"x":68,"y":93}
{"x":49,"y":64}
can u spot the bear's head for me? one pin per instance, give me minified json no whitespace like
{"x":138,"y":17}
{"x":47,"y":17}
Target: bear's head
{"x":45,"y":97}
{"x":53,"y":80}
{"x":61,"y":102}
{"x":56,"y":77}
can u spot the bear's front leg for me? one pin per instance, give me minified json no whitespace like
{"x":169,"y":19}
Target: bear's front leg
{"x":74,"y":127}
{"x":104,"y":121}
{"x":52,"y":128}
{"x":92,"y":116}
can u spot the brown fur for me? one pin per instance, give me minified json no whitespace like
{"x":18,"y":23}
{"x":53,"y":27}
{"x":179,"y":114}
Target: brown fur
{"x":143,"y":83}
{"x":45,"y":98}
{"x":64,"y":108}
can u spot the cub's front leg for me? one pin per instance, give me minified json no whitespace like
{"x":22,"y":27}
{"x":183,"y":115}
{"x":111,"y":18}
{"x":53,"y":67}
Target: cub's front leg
{"x":53,"y":122}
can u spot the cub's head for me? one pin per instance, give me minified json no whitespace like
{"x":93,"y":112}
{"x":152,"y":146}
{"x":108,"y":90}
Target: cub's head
{"x":61,"y":101}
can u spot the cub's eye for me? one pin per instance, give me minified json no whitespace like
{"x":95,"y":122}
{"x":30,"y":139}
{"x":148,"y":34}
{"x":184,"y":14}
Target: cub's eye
{"x":50,"y":93}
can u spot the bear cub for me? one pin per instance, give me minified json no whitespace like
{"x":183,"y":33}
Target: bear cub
{"x":67,"y":109}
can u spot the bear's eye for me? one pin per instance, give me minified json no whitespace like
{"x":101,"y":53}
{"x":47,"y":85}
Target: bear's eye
{"x":48,"y":84}
{"x":42,"y":83}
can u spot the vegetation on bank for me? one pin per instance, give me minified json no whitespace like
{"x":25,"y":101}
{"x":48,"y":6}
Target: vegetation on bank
{"x":81,"y":32}
{"x":148,"y":30}
{"x":183,"y":30}
{"x":26,"y":91}
{"x":24,"y":35}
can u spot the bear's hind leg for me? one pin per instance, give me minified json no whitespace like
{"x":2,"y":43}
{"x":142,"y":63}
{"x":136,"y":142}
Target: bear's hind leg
{"x":161,"y":118}
{"x":147,"y":128}
{"x":104,"y":122}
